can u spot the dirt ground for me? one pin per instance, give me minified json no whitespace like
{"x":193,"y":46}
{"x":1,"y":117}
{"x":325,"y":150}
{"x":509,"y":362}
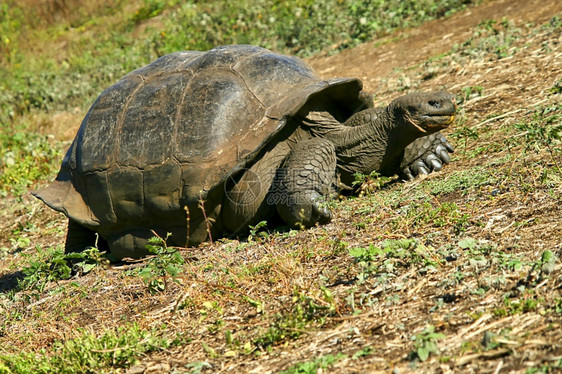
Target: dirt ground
{"x":375,"y":62}
{"x":514,"y":216}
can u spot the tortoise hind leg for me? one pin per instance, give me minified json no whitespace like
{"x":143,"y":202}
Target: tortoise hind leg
{"x":303,"y":182}
{"x":78,"y":238}
{"x":129,"y":243}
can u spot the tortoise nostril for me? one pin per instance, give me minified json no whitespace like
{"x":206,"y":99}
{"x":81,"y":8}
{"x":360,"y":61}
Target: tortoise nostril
{"x":434,"y":103}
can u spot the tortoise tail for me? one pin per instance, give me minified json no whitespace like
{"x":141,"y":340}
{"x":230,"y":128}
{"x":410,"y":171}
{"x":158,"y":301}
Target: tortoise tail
{"x":62,"y":196}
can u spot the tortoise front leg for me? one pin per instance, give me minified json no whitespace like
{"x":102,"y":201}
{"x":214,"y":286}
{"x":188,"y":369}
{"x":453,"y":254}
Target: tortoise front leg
{"x":303,"y":182}
{"x":424,"y":155}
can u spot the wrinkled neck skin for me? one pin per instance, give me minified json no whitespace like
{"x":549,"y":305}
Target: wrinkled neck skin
{"x":370,"y":140}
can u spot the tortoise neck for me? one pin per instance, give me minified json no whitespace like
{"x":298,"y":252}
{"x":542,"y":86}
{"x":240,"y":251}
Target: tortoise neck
{"x":371,"y":140}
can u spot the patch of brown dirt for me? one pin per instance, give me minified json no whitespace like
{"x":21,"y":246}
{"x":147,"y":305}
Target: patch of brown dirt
{"x":464,"y":296}
{"x":372,"y":61}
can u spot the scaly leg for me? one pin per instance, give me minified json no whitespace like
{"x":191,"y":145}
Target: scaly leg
{"x":303,"y":182}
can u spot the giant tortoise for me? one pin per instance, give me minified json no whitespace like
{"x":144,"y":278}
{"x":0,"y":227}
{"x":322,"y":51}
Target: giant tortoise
{"x":204,"y":144}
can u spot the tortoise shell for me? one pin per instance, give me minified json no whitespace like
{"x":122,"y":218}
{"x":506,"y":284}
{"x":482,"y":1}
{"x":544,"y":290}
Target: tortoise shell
{"x":167,"y":135}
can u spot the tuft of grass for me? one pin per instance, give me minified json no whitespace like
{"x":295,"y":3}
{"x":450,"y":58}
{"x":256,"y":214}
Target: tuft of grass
{"x":89,"y":352}
{"x":493,"y":39}
{"x":314,"y":365}
{"x":425,"y":343}
{"x":544,"y":130}
{"x":461,"y":181}
{"x":304,"y":313}
{"x":167,"y":262}
{"x":392,"y":255}
{"x":25,"y":158}
{"x":54,"y":265}
{"x":447,"y":214}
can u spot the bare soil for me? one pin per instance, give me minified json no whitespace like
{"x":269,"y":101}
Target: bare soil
{"x":518,"y":213}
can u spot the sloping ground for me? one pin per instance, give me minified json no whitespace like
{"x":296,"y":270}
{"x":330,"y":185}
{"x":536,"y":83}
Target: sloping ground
{"x":375,"y":62}
{"x":459,"y":272}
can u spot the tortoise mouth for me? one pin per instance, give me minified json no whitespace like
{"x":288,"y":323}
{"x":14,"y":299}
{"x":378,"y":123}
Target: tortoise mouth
{"x":432,"y":122}
{"x":441,"y":120}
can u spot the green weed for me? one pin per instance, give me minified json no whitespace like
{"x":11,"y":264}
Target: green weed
{"x":462,"y":181}
{"x":198,"y":367}
{"x":312,"y":367}
{"x":391,"y":255}
{"x":425,"y":343}
{"x":369,"y":183}
{"x":166,"y":263}
{"x":446,"y":214}
{"x":491,"y":39}
{"x":469,"y":92}
{"x":89,"y":353}
{"x":291,"y":324}
{"x":544,"y":130}
{"x":25,"y":158}
{"x":514,"y":306}
{"x":53,"y":265}
{"x":482,"y":253}
{"x":258,"y":231}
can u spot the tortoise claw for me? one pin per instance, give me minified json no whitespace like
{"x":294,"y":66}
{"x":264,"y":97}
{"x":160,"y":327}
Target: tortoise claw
{"x":433,"y":162}
{"x":443,"y":153}
{"x":428,"y":154}
{"x":419,"y":168}
{"x":321,"y":213}
{"x":407,"y":174}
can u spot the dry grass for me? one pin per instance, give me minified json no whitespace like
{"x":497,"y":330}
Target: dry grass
{"x":474,"y":266}
{"x":43,"y":13}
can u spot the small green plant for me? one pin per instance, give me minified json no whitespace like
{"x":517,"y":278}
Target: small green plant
{"x":259,"y":231}
{"x":557,"y":88}
{"x":462,"y":181}
{"x":391,"y":255}
{"x":85,"y":261}
{"x":89,"y":353}
{"x":425,"y":343}
{"x":544,"y":130}
{"x":198,"y":367}
{"x":470,"y":92}
{"x":50,"y":267}
{"x":514,"y":306}
{"x":312,"y":367}
{"x":54,"y":265}
{"x":545,"y":265}
{"x":465,"y":133}
{"x":369,"y":183}
{"x":258,"y":304}
{"x":367,"y":351}
{"x":167,"y":262}
{"x":444,"y":214}
{"x":291,"y":324}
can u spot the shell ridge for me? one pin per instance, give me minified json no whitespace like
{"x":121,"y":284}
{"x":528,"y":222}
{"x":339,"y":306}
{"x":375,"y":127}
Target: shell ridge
{"x":239,"y":75}
{"x":121,"y":117}
{"x":179,"y":111}
{"x":110,"y":202}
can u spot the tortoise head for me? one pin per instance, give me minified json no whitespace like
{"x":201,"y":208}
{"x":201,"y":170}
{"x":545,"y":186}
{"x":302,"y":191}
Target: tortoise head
{"x":428,"y":112}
